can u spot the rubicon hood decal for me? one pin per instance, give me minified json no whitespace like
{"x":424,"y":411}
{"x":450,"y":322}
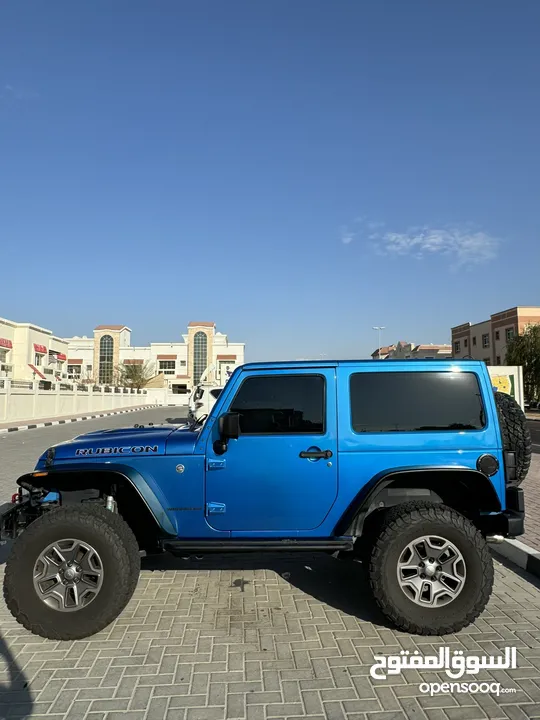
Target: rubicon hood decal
{"x":126,"y":450}
{"x":121,"y":442}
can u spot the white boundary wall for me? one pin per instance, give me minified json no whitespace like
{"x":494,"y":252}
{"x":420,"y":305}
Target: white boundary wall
{"x":163,"y":396}
{"x":24,"y":400}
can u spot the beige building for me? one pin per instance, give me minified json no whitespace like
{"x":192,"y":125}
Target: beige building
{"x":178,"y":365}
{"x":488,"y":340}
{"x":410,"y":351}
{"x":30,"y":352}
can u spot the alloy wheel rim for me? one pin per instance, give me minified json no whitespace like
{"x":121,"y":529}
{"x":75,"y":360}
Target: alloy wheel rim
{"x":68,"y":575}
{"x":431,"y":571}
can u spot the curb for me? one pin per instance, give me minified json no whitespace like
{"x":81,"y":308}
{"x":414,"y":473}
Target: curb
{"x":33,"y":426}
{"x":520,"y":554}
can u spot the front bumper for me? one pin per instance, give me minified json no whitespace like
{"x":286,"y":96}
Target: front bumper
{"x":8,"y":520}
{"x":15,"y":517}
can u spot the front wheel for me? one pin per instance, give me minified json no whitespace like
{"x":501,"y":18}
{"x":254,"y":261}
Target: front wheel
{"x":430,"y":569}
{"x":71,"y":573}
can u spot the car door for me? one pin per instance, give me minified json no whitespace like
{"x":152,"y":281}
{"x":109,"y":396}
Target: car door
{"x":281,"y":474}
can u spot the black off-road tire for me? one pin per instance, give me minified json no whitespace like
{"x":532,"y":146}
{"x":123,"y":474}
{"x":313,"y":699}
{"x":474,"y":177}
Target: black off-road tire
{"x":135,"y":559}
{"x":516,"y":435}
{"x":111,"y":537}
{"x":402,"y":525}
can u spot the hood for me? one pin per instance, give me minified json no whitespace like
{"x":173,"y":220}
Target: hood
{"x":119,"y":442}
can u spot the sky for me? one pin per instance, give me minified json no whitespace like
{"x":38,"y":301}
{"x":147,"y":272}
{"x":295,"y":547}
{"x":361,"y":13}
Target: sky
{"x":297,"y":172}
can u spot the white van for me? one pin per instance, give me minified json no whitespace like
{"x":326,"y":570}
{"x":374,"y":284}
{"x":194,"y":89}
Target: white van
{"x":202,"y":399}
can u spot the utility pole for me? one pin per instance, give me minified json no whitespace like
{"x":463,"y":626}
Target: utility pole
{"x":379,"y":329}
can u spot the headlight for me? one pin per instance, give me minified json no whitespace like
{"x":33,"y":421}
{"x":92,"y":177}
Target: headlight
{"x":49,"y":457}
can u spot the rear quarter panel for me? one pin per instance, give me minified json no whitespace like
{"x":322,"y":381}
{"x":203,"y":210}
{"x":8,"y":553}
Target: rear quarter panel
{"x":365,"y":457}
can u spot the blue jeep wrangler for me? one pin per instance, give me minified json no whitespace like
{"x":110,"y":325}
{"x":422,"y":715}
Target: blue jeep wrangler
{"x":411,"y":467}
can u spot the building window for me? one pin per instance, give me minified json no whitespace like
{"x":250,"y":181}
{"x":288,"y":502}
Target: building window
{"x":89,"y":368}
{"x":38,"y":359}
{"x":457,"y":346}
{"x":167,"y":367}
{"x":3,"y":356}
{"x":281,"y":405}
{"x":106,"y":357}
{"x":183,"y":363}
{"x":487,"y":361}
{"x":498,"y":360}
{"x":497,"y":335}
{"x":466,"y":342}
{"x":485,"y":340}
{"x":509,"y":334}
{"x":474,"y":341}
{"x":200,"y":353}
{"x":74,"y":371}
{"x":415,"y":402}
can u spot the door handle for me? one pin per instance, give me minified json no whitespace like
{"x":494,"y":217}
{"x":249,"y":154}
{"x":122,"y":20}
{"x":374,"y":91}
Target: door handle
{"x":316,"y":454}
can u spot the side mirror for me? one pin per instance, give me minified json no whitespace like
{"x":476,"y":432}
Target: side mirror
{"x":229,"y":426}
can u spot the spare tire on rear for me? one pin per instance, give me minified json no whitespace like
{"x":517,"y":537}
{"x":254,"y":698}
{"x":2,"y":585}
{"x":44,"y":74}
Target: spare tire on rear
{"x":515,"y":432}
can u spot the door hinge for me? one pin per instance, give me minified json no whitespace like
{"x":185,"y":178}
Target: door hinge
{"x":215,"y":464}
{"x":213,"y":508}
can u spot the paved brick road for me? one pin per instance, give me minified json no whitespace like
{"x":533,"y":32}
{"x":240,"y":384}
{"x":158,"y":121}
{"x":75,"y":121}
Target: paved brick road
{"x":532,"y":492}
{"x":254,"y":638}
{"x":282,"y":638}
{"x":532,"y":505}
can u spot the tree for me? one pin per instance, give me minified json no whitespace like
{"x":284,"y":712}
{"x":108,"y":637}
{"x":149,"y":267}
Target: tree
{"x":136,"y":376}
{"x":524,"y":350}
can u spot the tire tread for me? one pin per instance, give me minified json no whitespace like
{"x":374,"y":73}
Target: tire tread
{"x":401,"y":518}
{"x":122,"y":543}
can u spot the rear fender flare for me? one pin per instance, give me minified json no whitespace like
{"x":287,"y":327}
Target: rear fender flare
{"x":53,"y":483}
{"x":426,"y":478}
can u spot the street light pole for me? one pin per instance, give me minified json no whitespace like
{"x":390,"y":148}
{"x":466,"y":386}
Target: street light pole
{"x":379,"y":329}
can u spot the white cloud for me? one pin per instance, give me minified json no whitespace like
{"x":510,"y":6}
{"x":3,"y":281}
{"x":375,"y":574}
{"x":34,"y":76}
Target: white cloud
{"x":347,"y":236}
{"x":462,"y":245}
{"x":361,"y":227}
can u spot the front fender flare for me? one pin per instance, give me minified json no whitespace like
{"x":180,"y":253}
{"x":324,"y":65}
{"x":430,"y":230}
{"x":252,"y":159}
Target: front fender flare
{"x":52,"y":482}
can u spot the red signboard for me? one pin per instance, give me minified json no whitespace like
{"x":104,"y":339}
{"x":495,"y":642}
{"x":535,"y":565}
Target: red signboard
{"x":40,"y":349}
{"x":61,"y":356}
{"x":4,"y":342}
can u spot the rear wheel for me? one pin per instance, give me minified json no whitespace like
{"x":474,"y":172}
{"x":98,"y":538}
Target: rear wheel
{"x":430,"y":569}
{"x":71,"y":573}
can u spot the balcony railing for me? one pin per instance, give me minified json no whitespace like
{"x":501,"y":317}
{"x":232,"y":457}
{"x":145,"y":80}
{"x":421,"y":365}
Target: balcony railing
{"x":54,"y":384}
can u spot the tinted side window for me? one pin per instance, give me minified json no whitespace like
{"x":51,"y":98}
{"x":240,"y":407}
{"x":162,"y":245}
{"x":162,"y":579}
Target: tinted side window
{"x":215,"y":393}
{"x":415,"y":401}
{"x":281,"y":404}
